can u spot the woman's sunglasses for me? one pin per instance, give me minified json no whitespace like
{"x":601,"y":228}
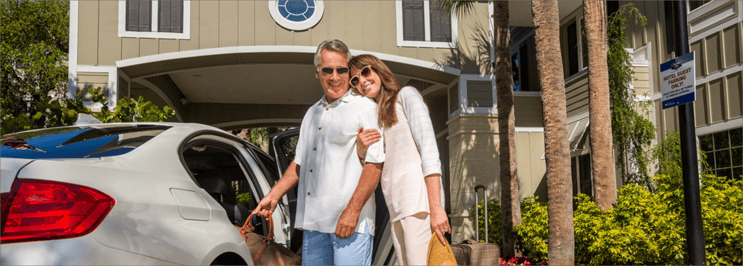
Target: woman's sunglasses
{"x":365,"y":72}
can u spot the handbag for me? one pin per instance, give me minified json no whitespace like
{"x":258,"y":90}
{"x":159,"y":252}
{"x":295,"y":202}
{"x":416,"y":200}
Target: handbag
{"x":264,"y":250}
{"x":439,"y":254}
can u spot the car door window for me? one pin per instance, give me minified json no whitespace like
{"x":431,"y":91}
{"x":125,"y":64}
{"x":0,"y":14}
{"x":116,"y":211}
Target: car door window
{"x":216,"y":166}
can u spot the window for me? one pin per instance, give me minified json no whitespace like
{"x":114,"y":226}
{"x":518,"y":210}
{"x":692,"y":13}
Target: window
{"x":296,"y":15}
{"x":724,"y":152}
{"x":694,"y":4}
{"x":573,"y":46}
{"x":476,"y":95}
{"x":582,"y":175}
{"x":523,"y":64}
{"x":421,"y":23}
{"x":168,"y":19}
{"x":479,"y":93}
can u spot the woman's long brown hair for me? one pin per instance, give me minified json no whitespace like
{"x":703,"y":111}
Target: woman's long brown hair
{"x":388,"y":91}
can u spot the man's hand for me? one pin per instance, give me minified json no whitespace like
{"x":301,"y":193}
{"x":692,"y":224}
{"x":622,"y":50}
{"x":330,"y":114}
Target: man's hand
{"x":364,"y":139}
{"x":350,"y":215}
{"x":439,"y":223}
{"x":265,"y":207}
{"x":346,"y":224}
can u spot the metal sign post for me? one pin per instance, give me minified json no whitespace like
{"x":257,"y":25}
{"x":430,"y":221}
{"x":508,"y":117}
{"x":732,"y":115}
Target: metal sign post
{"x":692,"y":201}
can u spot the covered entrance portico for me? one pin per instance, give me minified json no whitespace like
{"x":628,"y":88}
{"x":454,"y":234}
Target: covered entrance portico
{"x":257,"y":86}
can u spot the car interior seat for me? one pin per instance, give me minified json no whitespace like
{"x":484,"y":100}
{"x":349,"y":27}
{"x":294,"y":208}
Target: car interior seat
{"x":215,"y":182}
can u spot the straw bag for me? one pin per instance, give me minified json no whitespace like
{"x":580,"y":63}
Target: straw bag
{"x":264,"y":250}
{"x":439,"y":254}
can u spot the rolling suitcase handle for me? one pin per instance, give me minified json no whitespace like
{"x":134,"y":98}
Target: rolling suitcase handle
{"x":477,"y":213}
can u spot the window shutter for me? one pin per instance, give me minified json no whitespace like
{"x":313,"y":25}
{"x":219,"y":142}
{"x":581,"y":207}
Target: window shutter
{"x":412,"y":17}
{"x":440,"y":23}
{"x":170,"y":16}
{"x":138,"y":15}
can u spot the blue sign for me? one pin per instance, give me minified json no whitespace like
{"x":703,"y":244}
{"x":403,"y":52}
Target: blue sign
{"x":678,"y":81}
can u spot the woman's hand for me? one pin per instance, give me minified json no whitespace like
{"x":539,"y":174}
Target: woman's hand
{"x":364,"y":139}
{"x":440,"y":223}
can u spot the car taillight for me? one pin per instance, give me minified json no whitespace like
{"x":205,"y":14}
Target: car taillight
{"x":44,"y":210}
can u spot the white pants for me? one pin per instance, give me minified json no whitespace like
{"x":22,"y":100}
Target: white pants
{"x":411,"y":236}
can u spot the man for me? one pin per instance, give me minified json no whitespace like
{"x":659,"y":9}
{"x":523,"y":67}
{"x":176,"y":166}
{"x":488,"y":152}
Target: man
{"x":334,"y":205}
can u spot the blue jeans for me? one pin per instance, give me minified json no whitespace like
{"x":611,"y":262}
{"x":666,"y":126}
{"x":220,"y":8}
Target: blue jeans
{"x":327,"y":249}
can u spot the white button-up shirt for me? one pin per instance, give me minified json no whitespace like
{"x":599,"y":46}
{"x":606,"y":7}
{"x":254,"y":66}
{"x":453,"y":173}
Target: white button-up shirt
{"x":330,"y":169}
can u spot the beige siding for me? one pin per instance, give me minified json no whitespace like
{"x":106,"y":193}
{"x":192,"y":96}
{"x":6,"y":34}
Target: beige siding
{"x":732,"y":45}
{"x":735,"y":92}
{"x":148,"y":47}
{"x":530,"y":165}
{"x":363,"y":25}
{"x":168,"y":46}
{"x":712,"y":54}
{"x":699,"y":61}
{"x":129,"y":48}
{"x":576,"y":95}
{"x":109,"y":50}
{"x":371,"y":17}
{"x":246,"y":23}
{"x":88,"y":33}
{"x":209,"y":24}
{"x":341,"y":23}
{"x":228,"y":22}
{"x":700,"y":114}
{"x":193,"y":42}
{"x":92,"y":80}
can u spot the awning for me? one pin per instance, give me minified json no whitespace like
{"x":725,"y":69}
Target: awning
{"x":578,"y":134}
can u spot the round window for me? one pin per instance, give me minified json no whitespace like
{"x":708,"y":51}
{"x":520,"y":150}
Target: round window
{"x":296,"y":14}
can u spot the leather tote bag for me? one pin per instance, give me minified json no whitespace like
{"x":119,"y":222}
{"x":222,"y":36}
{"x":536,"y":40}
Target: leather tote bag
{"x":264,"y":250}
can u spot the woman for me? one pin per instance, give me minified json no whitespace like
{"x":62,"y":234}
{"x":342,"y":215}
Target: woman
{"x":412,"y":169}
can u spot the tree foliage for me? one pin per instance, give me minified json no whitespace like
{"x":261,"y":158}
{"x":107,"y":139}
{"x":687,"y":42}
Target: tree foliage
{"x":667,"y":155}
{"x":632,"y":132}
{"x":129,"y":110}
{"x":54,"y":112}
{"x":33,"y":55}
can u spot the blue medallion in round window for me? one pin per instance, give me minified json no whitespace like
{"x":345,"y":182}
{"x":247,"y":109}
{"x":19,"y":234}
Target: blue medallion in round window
{"x":296,"y":14}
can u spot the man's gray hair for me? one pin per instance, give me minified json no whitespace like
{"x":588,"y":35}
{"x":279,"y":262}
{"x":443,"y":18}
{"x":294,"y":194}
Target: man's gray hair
{"x":331,"y":45}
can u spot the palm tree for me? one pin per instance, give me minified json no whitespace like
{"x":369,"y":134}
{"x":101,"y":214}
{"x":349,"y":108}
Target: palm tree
{"x":559,"y":184}
{"x":510,"y":207}
{"x":510,"y":200}
{"x":602,"y":162}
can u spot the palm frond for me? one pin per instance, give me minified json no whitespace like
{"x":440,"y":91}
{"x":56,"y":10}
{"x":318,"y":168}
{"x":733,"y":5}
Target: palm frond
{"x":461,"y":7}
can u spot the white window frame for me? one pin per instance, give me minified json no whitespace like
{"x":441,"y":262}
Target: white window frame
{"x":154,"y":33}
{"x":578,"y":27}
{"x":463,"y":103}
{"x":427,"y":29}
{"x":293,"y":25}
{"x":113,"y":84}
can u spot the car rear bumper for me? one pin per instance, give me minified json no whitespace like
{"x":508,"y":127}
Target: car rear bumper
{"x":76,"y":251}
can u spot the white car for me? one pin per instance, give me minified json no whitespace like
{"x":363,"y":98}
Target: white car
{"x":142,"y":194}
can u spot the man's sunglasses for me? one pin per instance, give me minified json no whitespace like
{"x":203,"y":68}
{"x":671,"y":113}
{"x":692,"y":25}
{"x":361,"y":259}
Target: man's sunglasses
{"x":365,"y":72}
{"x":339,"y":70}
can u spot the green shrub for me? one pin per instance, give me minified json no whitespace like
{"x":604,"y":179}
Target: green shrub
{"x":494,"y":221}
{"x":531,"y":233}
{"x":645,"y":227}
{"x":243,"y":198}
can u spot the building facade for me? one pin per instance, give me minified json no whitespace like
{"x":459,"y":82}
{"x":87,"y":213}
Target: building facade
{"x":239,"y":64}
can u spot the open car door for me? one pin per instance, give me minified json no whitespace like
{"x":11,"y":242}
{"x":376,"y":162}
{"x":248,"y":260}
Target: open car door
{"x":282,"y":147}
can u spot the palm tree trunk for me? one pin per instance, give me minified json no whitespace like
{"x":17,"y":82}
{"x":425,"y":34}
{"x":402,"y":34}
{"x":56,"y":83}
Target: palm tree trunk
{"x":510,"y":209}
{"x":602,"y":160}
{"x":559,"y":184}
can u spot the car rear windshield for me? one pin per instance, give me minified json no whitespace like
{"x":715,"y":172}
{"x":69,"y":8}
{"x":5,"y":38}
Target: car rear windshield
{"x":78,"y":142}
